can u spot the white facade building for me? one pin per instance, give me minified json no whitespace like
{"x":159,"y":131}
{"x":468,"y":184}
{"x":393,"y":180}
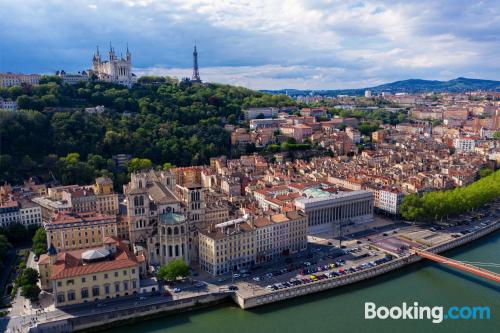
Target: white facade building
{"x":114,"y":70}
{"x":389,"y":201}
{"x":8,"y":104}
{"x":252,"y":113}
{"x":10,"y":79}
{"x":344,"y":207}
{"x":24,"y":212}
{"x":73,"y":78}
{"x":466,"y":144}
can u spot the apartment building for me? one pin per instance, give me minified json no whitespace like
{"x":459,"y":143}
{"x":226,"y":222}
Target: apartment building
{"x":71,"y":230}
{"x":241,"y":243}
{"x":81,"y":276}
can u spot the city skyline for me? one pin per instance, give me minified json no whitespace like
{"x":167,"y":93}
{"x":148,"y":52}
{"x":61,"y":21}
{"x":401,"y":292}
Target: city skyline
{"x":262,"y":44}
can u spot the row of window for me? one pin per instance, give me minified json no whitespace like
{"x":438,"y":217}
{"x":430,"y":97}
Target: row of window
{"x":94,"y":277}
{"x":96,"y":291}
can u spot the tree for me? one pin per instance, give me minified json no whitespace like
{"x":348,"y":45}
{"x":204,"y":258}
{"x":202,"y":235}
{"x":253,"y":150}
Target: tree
{"x":485,"y":172}
{"x":139,"y":164}
{"x":31,"y":292}
{"x":40,"y":242}
{"x":16,"y":233}
{"x":175,"y":269}
{"x":4,"y":248}
{"x":437,"y":205}
{"x":496,"y":135}
{"x":167,"y":166}
{"x":29,"y":276}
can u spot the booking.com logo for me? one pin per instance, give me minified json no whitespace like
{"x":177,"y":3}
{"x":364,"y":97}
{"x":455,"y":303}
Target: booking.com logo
{"x":435,"y":313}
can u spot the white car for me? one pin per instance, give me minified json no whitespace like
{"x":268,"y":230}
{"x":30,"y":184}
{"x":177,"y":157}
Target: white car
{"x":257,"y":279}
{"x":176,"y":290}
{"x":236,"y":276}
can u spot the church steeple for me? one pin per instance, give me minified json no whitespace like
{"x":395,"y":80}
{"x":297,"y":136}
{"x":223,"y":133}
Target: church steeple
{"x":111,"y":52}
{"x":196,"y":73}
{"x":128,"y":55}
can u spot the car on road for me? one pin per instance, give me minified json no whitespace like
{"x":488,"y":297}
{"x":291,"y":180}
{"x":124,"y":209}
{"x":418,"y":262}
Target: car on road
{"x":257,"y":279}
{"x":236,"y":276}
{"x":176,"y":290}
{"x":100,"y":305}
{"x":232,"y":288}
{"x":269,"y":275}
{"x":199,"y":284}
{"x":142,"y":298}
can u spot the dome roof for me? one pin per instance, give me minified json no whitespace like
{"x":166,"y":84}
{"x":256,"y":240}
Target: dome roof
{"x":95,"y":254}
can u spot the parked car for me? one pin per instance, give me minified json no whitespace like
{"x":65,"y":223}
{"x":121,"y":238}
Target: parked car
{"x":232,"y":288}
{"x":176,"y":290}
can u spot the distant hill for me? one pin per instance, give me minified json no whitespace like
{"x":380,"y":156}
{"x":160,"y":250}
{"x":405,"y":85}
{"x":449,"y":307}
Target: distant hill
{"x":460,"y":84}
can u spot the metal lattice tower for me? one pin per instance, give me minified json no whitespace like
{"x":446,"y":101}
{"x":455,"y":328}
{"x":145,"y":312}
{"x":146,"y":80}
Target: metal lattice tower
{"x":196,"y":73}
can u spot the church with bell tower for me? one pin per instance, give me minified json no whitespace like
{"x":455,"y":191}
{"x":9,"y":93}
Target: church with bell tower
{"x":115,"y":70}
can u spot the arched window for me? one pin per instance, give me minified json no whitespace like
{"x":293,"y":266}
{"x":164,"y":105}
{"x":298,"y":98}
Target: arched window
{"x":169,"y":231}
{"x":141,"y":200}
{"x":177,"y":250}
{"x":170,"y":250}
{"x":176,"y":230}
{"x":182,"y":229}
{"x":136,"y":201}
{"x":163,"y":231}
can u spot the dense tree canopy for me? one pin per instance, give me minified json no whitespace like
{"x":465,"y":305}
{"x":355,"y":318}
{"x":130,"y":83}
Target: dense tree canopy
{"x":437,"y":205}
{"x":4,"y":248}
{"x":175,"y":269}
{"x":40,"y":242}
{"x":159,"y":119}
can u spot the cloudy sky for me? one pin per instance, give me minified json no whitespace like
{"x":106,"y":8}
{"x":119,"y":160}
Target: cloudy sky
{"x":262,"y":44}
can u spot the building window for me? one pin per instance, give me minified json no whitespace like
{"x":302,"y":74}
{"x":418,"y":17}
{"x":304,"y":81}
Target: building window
{"x":94,"y":278}
{"x":71,"y":295}
{"x":59,"y":283}
{"x":133,"y":270}
{"x":117,"y":287}
{"x":106,"y":289}
{"x":116,"y":274}
{"x":70,"y":282}
{"x":125,"y":285}
{"x":124,"y":272}
{"x":95,"y":291}
{"x":60,"y":297}
{"x":106,"y":275}
{"x":134,"y":284}
{"x":85,"y":293}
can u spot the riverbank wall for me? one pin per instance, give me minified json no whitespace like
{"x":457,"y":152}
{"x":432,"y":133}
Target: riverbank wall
{"x":106,"y":319}
{"x":248,"y":302}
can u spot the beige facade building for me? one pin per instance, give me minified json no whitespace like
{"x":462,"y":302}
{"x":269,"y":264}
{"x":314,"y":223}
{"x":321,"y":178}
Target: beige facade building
{"x":10,"y":79}
{"x":81,"y":276}
{"x":68,"y":231}
{"x":241,"y":243}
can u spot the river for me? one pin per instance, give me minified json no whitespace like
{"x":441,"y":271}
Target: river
{"x":343,"y":309}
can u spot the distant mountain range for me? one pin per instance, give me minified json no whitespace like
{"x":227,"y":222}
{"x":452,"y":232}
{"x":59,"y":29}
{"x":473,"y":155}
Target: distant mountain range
{"x":457,"y":85}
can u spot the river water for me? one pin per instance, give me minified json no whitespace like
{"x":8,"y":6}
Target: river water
{"x":343,"y":309}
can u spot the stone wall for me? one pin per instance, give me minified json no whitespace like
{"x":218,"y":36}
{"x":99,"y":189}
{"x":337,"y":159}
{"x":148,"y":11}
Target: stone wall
{"x":120,"y":317}
{"x":279,"y":295}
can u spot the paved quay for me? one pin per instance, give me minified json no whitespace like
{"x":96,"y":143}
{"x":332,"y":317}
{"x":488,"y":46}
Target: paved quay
{"x":267,"y":284}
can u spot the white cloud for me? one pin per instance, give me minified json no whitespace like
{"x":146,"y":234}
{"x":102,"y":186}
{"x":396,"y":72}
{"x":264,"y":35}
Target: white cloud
{"x":331,"y":43}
